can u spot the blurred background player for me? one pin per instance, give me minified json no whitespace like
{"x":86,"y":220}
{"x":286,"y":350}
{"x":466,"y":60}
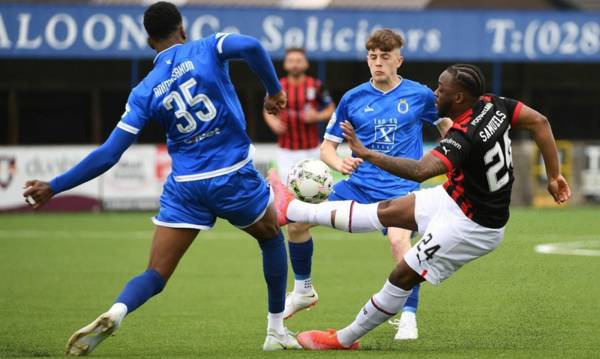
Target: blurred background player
{"x":461,"y":220}
{"x":213,"y":175}
{"x":297,"y":126}
{"x":388,"y":112}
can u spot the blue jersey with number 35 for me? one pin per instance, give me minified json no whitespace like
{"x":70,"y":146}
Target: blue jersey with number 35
{"x":390,"y":122}
{"x":190,"y":94}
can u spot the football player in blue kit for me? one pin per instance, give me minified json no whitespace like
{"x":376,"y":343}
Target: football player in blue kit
{"x":189,"y":93}
{"x":388,"y":113}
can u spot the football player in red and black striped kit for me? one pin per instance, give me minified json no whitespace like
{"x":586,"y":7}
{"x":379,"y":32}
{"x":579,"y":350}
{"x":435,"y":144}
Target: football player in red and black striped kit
{"x":297,"y":125}
{"x":461,"y":220}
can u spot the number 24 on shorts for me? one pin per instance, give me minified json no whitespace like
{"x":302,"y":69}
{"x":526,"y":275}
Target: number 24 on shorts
{"x":429,"y":252}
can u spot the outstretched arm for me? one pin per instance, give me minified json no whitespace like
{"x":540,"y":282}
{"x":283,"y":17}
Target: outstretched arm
{"x":249,"y":49}
{"x":536,"y":123}
{"x":427,"y":167}
{"x":93,"y":165}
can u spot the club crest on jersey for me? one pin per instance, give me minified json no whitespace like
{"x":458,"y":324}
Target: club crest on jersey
{"x":7,"y":171}
{"x":311,"y":93}
{"x":402,"y":106}
{"x":385,"y":131}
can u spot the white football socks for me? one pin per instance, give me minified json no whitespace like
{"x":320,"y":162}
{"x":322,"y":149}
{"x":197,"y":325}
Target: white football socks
{"x":275,"y":323}
{"x":349,"y":216}
{"x":381,"y":307}
{"x":303,"y":286}
{"x":118,"y":311}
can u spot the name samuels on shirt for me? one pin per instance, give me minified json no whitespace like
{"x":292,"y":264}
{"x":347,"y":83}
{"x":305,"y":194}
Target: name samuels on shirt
{"x":492,"y":126}
{"x":176,"y":73}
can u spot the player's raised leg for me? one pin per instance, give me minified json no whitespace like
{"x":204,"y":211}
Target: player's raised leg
{"x":348,"y":216}
{"x":407,"y":323}
{"x":168,"y":247}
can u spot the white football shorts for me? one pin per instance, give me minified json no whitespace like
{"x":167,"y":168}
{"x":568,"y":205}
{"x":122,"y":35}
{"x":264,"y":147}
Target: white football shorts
{"x":449,"y":238}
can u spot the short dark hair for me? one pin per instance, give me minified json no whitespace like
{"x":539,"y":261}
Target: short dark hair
{"x":161,"y":20}
{"x":384,"y":40}
{"x":295,"y":49}
{"x":469,"y":77}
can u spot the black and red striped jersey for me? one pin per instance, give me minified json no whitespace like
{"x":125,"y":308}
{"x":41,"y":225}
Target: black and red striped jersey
{"x":309,"y":92}
{"x":478,"y":155}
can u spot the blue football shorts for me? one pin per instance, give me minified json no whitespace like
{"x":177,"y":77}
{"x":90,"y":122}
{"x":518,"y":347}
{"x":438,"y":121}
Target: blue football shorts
{"x":241,"y":197}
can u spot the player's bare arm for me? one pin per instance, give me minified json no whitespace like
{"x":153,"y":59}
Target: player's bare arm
{"x":536,"y":123}
{"x":39,"y":191}
{"x":330,"y":156}
{"x":274,"y":122}
{"x":275,"y":103}
{"x":443,"y":126}
{"x":428,"y":166}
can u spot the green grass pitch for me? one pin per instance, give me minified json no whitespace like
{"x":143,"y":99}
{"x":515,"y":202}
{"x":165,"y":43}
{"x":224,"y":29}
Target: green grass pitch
{"x":59,"y":271}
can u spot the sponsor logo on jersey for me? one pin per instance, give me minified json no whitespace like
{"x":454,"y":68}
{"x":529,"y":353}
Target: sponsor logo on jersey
{"x":203,"y":136}
{"x":7,"y":170}
{"x":385,"y":131}
{"x":402,"y":106}
{"x":451,"y":142}
{"x":488,"y":106}
{"x":369,"y":109}
{"x":311,"y":93}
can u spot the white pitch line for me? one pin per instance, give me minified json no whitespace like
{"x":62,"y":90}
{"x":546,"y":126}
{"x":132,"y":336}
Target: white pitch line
{"x":589,"y":248}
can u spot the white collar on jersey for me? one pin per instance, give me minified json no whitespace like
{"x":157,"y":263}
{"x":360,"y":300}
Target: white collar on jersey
{"x":167,"y":49}
{"x":388,"y":91}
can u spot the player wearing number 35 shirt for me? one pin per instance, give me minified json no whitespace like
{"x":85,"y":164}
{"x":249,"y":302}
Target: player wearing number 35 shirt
{"x":461,"y":220}
{"x":189,"y":93}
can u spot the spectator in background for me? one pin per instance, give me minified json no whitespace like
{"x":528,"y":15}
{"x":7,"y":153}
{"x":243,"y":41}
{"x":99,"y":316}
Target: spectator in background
{"x":297,"y":125}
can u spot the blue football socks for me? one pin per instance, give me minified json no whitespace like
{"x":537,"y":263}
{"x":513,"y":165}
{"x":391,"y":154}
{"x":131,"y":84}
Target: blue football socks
{"x":275,"y":270}
{"x":141,"y":288}
{"x":301,"y":258}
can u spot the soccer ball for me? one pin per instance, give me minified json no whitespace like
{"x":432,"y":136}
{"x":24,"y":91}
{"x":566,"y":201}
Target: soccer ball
{"x":310,"y":181}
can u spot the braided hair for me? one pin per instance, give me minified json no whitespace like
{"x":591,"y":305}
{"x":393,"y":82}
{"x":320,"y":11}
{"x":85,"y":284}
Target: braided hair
{"x":469,"y":77}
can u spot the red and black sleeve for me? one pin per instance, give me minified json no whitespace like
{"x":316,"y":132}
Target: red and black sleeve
{"x":514,"y":109}
{"x":453,"y":150}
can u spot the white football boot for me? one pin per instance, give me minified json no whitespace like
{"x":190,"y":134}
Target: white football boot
{"x":83,"y":341}
{"x":275,"y":341}
{"x":407,"y":326}
{"x":295,"y":302}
